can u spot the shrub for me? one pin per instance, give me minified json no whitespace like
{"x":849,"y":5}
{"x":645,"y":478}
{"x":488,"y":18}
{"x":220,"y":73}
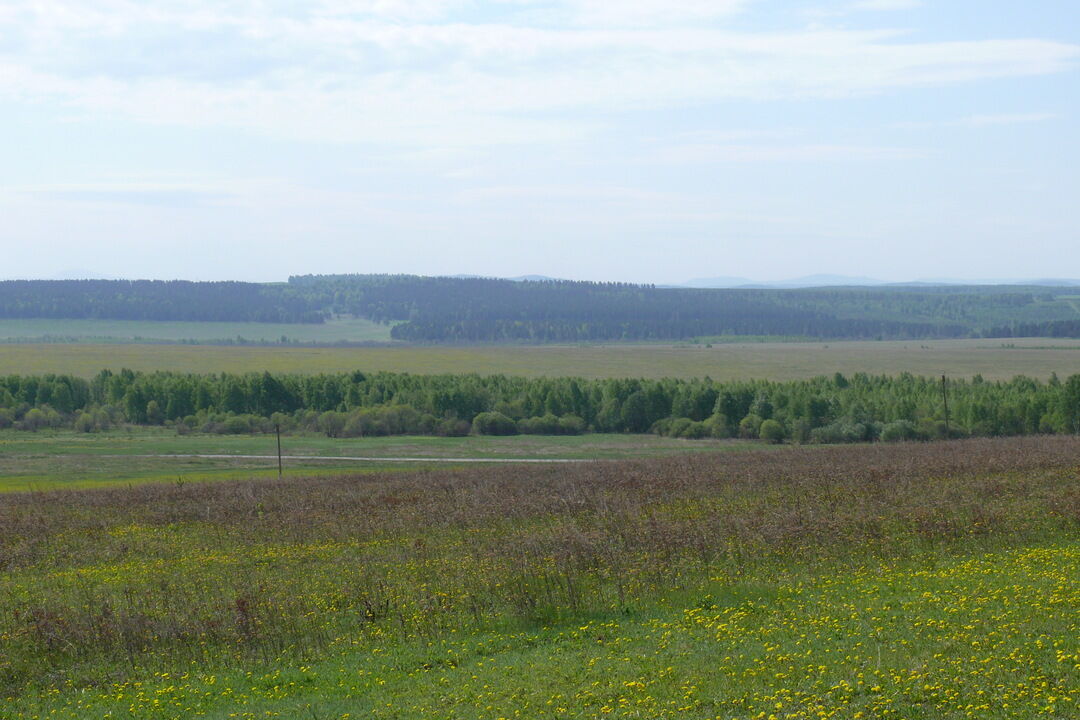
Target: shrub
{"x":572,"y":425}
{"x":453,"y":427}
{"x":694,"y":431}
{"x":677,"y":427}
{"x":844,"y":431}
{"x":84,"y":423}
{"x":551,"y":424}
{"x":750,"y":427}
{"x":545,"y":425}
{"x":661,"y":427}
{"x":935,"y":429}
{"x":236,"y":425}
{"x":801,"y":430}
{"x":38,"y":418}
{"x":154,"y":415}
{"x":772,"y":431}
{"x":899,"y":431}
{"x":493,"y":423}
{"x":283,"y":421}
{"x":332,"y":423}
{"x":717,"y":426}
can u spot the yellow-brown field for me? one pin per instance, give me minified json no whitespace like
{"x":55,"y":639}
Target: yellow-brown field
{"x":993,"y":359}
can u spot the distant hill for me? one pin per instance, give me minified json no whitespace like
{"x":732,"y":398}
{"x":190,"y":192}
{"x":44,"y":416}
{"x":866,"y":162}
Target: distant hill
{"x":534,"y":278}
{"x":716,"y":282}
{"x":808,"y":281}
{"x":815,"y":281}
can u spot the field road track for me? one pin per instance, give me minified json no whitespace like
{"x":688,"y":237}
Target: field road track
{"x":336,"y":458}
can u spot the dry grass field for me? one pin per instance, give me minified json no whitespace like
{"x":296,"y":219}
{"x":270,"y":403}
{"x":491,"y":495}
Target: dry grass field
{"x":353,"y":330}
{"x":993,"y":359}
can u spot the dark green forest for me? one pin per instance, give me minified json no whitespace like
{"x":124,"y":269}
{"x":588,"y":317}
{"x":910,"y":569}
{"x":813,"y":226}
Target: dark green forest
{"x":478,"y":310}
{"x":827,"y":409}
{"x":155,"y":300}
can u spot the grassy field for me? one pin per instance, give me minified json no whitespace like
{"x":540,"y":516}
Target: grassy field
{"x":926,"y":581}
{"x":778,"y":361}
{"x":64,"y":459}
{"x":126,"y":331}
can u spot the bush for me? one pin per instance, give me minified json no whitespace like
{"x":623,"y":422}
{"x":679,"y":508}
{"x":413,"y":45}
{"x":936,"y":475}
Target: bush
{"x":800,"y":432}
{"x":899,"y":431}
{"x":154,"y":415}
{"x":750,"y":427}
{"x":84,"y":423}
{"x":546,"y":425}
{"x":572,"y":425}
{"x":843,"y":431}
{"x":717,"y":427}
{"x":38,"y":418}
{"x":677,"y":427}
{"x":551,"y":424}
{"x":283,"y":421}
{"x":332,"y":423}
{"x":683,"y":427}
{"x":694,"y":431}
{"x":661,"y":427}
{"x":493,"y":423}
{"x":935,"y":429}
{"x":236,"y":425}
{"x":452,"y":427}
{"x":7,"y":418}
{"x":772,"y":431}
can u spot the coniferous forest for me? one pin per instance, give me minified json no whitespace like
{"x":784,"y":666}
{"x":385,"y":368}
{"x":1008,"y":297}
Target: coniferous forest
{"x":478,"y":310}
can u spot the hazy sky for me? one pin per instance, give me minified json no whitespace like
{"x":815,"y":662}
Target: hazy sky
{"x":644,"y":140}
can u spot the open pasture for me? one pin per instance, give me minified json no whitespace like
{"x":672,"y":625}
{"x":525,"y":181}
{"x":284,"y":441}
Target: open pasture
{"x":64,"y":459}
{"x":923,"y":581}
{"x":993,"y":359}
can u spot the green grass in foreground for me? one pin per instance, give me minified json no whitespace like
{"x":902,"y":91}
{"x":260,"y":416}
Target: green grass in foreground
{"x":930,"y":581}
{"x":985,"y":635}
{"x":125,"y":331}
{"x":64,"y":459}
{"x":994,"y":360}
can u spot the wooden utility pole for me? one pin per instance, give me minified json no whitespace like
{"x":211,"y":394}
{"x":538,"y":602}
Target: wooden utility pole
{"x":277,"y":429}
{"x":945,"y":399}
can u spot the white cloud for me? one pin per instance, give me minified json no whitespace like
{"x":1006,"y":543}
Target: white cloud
{"x":1013,"y":119}
{"x":977,"y":121}
{"x":649,"y":13}
{"x":710,"y":154}
{"x":887,"y":4}
{"x":417,"y":73}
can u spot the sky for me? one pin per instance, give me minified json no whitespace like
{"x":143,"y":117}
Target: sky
{"x":635,"y":140}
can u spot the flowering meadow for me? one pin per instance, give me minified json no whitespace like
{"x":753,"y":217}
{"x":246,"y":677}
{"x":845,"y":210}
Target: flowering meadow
{"x":909,"y":581}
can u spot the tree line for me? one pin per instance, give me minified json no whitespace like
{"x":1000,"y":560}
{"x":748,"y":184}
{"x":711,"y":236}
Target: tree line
{"x":173,"y":300}
{"x":478,"y":310}
{"x":825,"y":409}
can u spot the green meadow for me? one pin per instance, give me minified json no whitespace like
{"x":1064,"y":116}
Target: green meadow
{"x":937,"y":580}
{"x":65,"y":459}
